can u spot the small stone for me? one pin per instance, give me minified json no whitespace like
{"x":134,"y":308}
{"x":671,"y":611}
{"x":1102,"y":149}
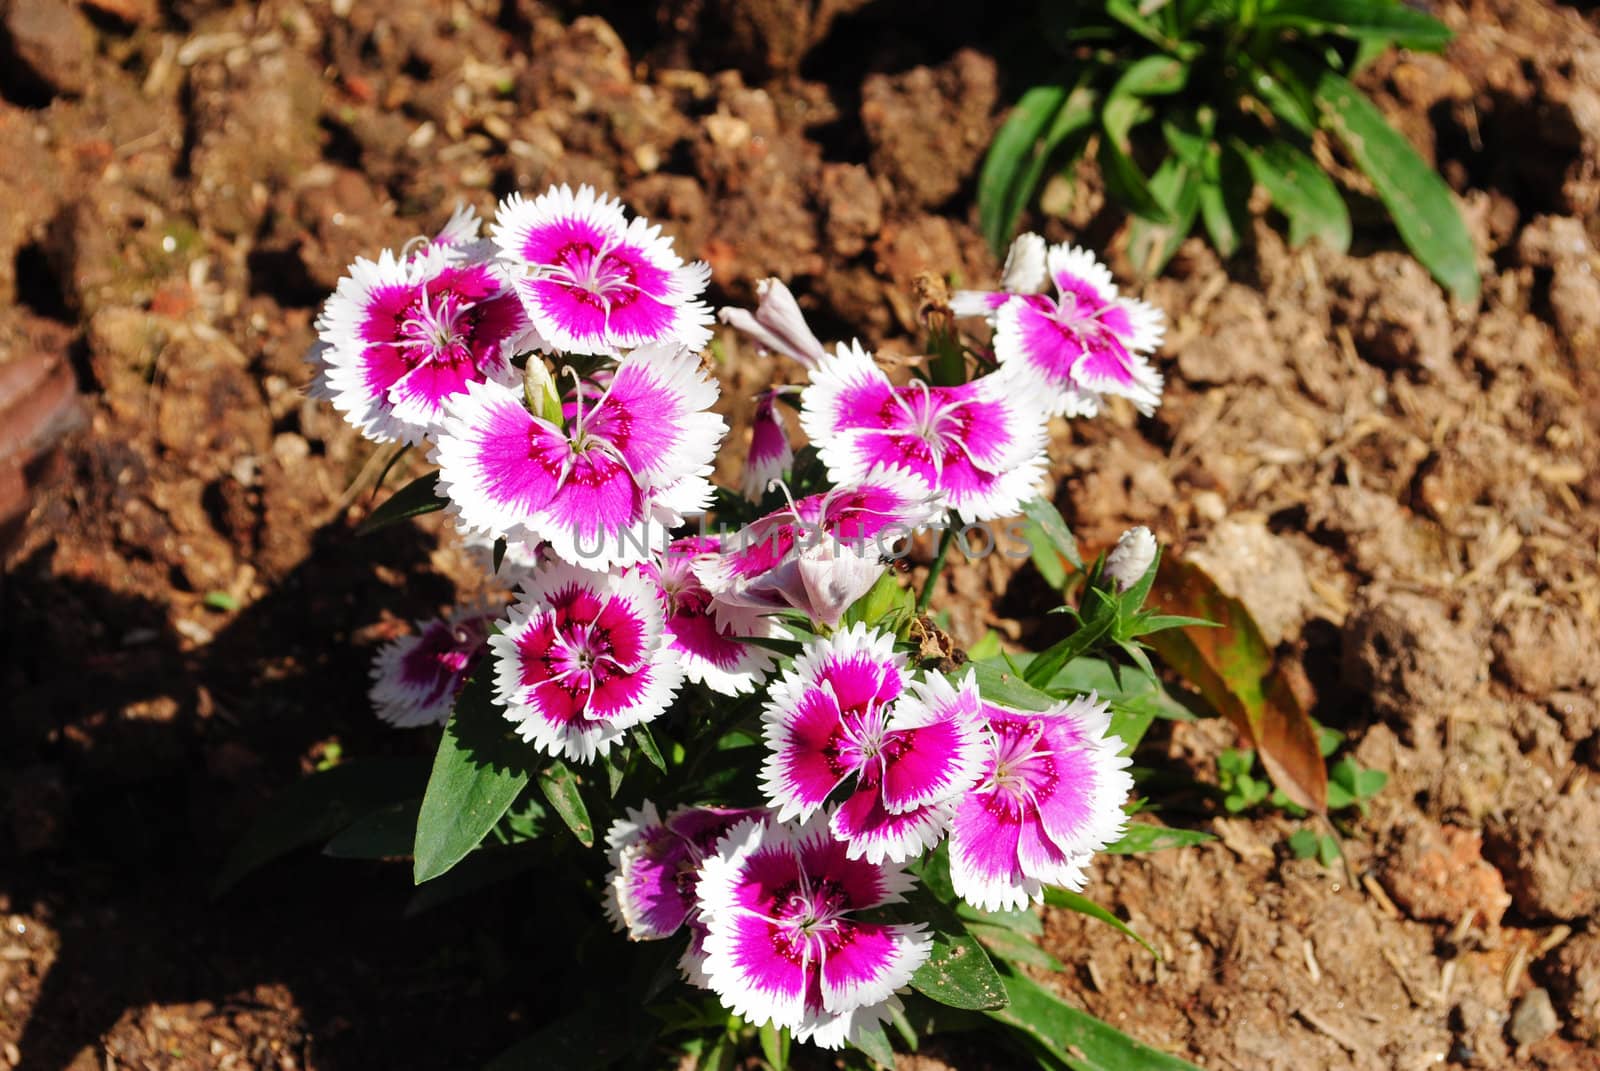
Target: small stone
{"x":1438,"y":874}
{"x":49,"y":43}
{"x":1534,"y":1018}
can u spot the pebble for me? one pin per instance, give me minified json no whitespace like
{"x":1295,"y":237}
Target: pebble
{"x":1534,"y":1018}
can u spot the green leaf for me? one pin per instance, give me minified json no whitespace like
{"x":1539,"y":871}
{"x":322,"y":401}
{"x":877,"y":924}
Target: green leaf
{"x":1075,"y":1037}
{"x":1225,"y":202}
{"x":1023,"y":921}
{"x":1328,"y":851}
{"x":1421,"y":205}
{"x":560,"y":787}
{"x":887,"y":605}
{"x":1152,"y":242}
{"x":1303,"y":843}
{"x":317,"y":807}
{"x":419,"y":496}
{"x":875,"y":1043}
{"x":957,"y":973}
{"x":387,"y":833}
{"x":1127,"y":184}
{"x":1001,"y":192}
{"x":1012,"y":946}
{"x":647,"y":747}
{"x":774,"y":1046}
{"x":1302,"y":192}
{"x":1071,"y":901}
{"x":1142,"y":838}
{"x":478,"y":771}
{"x":998,"y":683}
{"x":1369,"y":783}
{"x":1049,"y":523}
{"x":1387,"y":20}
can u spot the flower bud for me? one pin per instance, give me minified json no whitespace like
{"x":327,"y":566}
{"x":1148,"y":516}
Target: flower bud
{"x":1130,"y":559}
{"x":777,"y":325}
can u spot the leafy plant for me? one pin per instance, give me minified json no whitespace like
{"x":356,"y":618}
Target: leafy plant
{"x":1217,"y":96}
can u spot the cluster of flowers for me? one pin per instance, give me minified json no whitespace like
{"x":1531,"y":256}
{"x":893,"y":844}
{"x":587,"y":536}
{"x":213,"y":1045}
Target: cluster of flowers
{"x":554,"y":369}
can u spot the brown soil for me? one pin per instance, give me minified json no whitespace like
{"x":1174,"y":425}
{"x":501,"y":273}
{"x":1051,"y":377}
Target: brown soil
{"x":1404,"y":491}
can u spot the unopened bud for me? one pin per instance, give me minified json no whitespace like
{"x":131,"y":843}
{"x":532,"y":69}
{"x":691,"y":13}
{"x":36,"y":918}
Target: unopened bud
{"x":1130,"y":559}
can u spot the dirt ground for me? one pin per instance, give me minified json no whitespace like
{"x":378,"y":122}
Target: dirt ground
{"x":1406,"y":493}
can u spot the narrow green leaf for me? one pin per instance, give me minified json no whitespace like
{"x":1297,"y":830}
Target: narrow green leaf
{"x":500,"y":547}
{"x":1044,"y":515}
{"x":1024,"y":921}
{"x":1075,"y":1037}
{"x":1000,"y":683}
{"x":478,"y":771}
{"x":1141,"y":838}
{"x":875,"y":1043}
{"x":1422,"y":206}
{"x":1225,"y":203}
{"x":387,"y":833}
{"x":1071,"y":901}
{"x":317,"y":807}
{"x":419,"y":496}
{"x":1062,"y":143}
{"x":774,"y":1046}
{"x":1127,"y":184}
{"x":647,"y":747}
{"x":1386,"y":20}
{"x":1000,"y":199}
{"x":1013,"y":947}
{"x":1152,"y":242}
{"x":1302,"y":192}
{"x":560,"y":787}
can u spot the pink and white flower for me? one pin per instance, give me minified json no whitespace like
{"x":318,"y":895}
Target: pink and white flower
{"x":979,"y":446}
{"x":651,"y":891}
{"x":402,"y":335}
{"x":603,"y":488}
{"x":770,"y":456}
{"x":842,"y":713}
{"x":593,"y":281}
{"x":1049,"y":795}
{"x":415,"y":679}
{"x":580,"y":660}
{"x":777,"y":325}
{"x":1084,"y":342}
{"x":712,"y":653}
{"x":781,"y":943}
{"x":817,"y":554}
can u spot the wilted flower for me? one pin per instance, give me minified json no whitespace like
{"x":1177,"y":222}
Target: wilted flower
{"x":592,"y":281}
{"x":401,"y":335}
{"x":779,"y":562}
{"x":782,"y":945}
{"x":840,"y":713}
{"x":1130,"y":559}
{"x":978,"y":446}
{"x":712,"y":652}
{"x":1050,"y":794}
{"x":770,"y":456}
{"x":415,"y":679}
{"x":580,"y":660}
{"x":777,"y":326}
{"x":602,"y":488}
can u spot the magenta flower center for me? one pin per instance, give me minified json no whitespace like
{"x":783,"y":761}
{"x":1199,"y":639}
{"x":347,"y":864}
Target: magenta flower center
{"x":437,"y":328}
{"x":1019,"y":763}
{"x":808,"y":920}
{"x":596,"y":277}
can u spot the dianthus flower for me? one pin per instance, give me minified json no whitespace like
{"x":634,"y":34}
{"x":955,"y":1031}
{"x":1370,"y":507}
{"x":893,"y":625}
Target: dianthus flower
{"x":651,"y":891}
{"x":841,"y":713}
{"x":415,"y":679}
{"x":1049,"y":795}
{"x":603,"y":487}
{"x":580,"y":660}
{"x":1085,"y":341}
{"x":979,"y":446}
{"x":715,"y":654}
{"x":782,"y":945}
{"x":593,"y":281}
{"x":770,"y":457}
{"x":816,"y":554}
{"x":402,"y":334}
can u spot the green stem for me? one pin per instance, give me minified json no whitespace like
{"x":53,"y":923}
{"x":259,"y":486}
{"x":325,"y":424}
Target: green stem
{"x":937,"y":567}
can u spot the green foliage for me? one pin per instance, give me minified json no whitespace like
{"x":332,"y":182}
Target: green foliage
{"x":1350,"y":787}
{"x":1215,"y":95}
